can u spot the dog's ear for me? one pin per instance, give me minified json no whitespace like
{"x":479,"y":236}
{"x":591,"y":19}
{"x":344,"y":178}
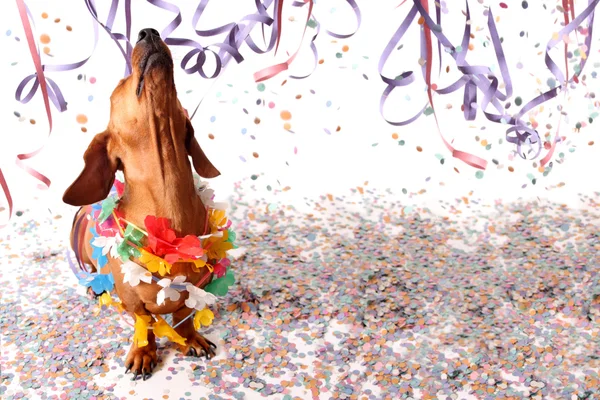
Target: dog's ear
{"x":98,"y":175}
{"x":202,"y":164}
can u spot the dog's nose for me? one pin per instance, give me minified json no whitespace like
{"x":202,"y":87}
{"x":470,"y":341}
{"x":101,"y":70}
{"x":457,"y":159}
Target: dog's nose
{"x":148,"y":34}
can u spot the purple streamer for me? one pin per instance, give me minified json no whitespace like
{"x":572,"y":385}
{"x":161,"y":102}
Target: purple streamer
{"x":481,"y":77}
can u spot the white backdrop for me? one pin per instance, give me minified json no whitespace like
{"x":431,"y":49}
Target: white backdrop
{"x":347,"y":90}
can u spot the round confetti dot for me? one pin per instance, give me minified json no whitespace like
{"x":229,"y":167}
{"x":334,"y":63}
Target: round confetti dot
{"x":345,"y":48}
{"x":255,"y":154}
{"x":287,"y":126}
{"x":213,"y":118}
{"x":271,"y":104}
{"x":479,"y":174}
{"x":254,"y":177}
{"x":92,"y":80}
{"x":518,"y":101}
{"x":394,"y":136}
{"x":69,"y":28}
{"x":338,"y":55}
{"x":83,"y":129}
{"x":46,"y":50}
{"x":257,"y":120}
{"x":81,"y":119}
{"x":286,"y":115}
{"x":524,"y":4}
{"x":57,"y":20}
{"x":261,"y":87}
{"x":44,"y":15}
{"x":401,"y":142}
{"x":244,"y":131}
{"x":211,"y":136}
{"x":32,"y":121}
{"x":511,"y":169}
{"x":419,"y":149}
{"x":44,"y":38}
{"x":90,"y":98}
{"x":8,"y":32}
{"x":591,"y":143}
{"x":328,"y":104}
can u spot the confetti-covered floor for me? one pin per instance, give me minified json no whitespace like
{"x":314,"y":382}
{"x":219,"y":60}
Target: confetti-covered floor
{"x":363,"y":298}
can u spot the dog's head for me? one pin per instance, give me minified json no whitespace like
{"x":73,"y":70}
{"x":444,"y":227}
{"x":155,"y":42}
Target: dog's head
{"x":143,"y":106}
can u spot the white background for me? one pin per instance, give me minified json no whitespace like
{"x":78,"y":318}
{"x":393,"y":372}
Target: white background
{"x":323,"y":163}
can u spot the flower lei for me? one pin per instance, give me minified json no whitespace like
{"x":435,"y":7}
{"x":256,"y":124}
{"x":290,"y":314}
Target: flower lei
{"x":162,"y":249}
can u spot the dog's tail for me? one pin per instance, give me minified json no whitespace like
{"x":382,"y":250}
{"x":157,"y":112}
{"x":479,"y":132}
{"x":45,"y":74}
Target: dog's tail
{"x":77,"y":238}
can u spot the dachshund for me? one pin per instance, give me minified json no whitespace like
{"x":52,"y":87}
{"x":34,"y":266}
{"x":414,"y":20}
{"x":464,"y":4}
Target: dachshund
{"x":149,"y":138}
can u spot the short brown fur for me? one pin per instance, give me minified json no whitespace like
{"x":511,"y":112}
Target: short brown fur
{"x":149,"y":137}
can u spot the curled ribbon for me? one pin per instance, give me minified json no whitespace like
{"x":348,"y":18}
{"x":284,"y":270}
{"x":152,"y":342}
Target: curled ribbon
{"x":481,"y":77}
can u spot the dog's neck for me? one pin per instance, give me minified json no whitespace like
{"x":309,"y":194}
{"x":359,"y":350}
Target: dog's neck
{"x":161,"y":183}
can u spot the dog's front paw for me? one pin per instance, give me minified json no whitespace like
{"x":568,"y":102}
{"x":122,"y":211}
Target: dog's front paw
{"x":198,"y":346}
{"x":141,"y":361}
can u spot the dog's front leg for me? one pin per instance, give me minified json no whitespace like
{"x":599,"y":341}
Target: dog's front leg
{"x":142,"y":360}
{"x":195,"y":344}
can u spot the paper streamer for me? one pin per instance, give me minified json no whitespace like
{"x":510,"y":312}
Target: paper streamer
{"x":481,"y":78}
{"x":237,"y":34}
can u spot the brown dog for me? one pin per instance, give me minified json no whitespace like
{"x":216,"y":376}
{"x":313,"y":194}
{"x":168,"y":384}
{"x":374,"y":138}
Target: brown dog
{"x":149,"y":137}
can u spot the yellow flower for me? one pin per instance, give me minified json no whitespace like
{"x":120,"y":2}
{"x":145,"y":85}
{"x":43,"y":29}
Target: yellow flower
{"x":155,"y":263}
{"x":204,"y":317}
{"x":218,"y":218}
{"x":163,"y":329}
{"x":216,"y":247}
{"x":140,"y":336}
{"x":198,"y":264}
{"x":105,"y":299}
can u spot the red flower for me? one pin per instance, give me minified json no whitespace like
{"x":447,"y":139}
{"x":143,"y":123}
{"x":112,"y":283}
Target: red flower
{"x":163,"y":241}
{"x":220,"y":268}
{"x":120,"y":186}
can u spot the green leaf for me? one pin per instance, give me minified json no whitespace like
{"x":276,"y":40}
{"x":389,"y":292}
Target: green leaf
{"x":220,"y":286}
{"x":133,"y":235}
{"x":125,"y":250}
{"x":108,"y":207}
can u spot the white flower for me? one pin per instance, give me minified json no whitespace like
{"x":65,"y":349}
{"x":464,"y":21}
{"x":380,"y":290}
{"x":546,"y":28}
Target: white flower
{"x":220,"y":206}
{"x":133,"y":274}
{"x":105,"y":242}
{"x":114,"y":249}
{"x":206,"y":195}
{"x":198,"y":298}
{"x":168,"y":292}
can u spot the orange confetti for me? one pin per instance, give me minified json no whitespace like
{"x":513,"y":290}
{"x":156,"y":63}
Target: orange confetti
{"x":257,"y":120}
{"x":211,"y":136}
{"x":286,"y":115}
{"x":345,"y":48}
{"x":419,"y":149}
{"x":32,"y":121}
{"x":511,"y":169}
{"x":360,"y":190}
{"x":57,"y":20}
{"x":46,"y":50}
{"x":255,"y":155}
{"x":394,"y":136}
{"x":83,"y":129}
{"x":44,"y":15}
{"x":298,"y":96}
{"x":44,"y":38}
{"x":591,"y":143}
{"x":69,"y":28}
{"x":82,"y":119}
